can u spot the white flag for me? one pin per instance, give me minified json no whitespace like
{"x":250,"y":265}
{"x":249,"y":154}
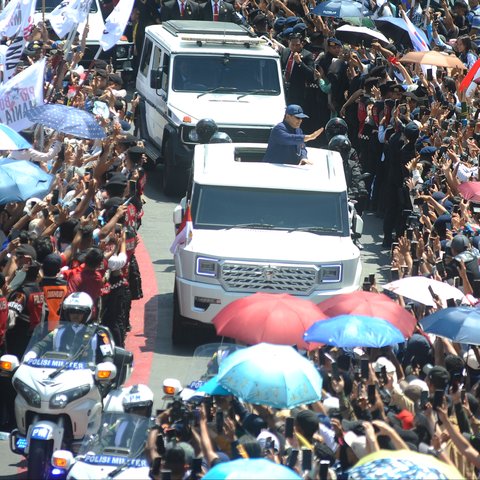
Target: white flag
{"x":115,"y":24}
{"x":11,"y":19}
{"x":20,"y":94}
{"x":66,"y":16}
{"x":63,"y":17}
{"x":15,"y":49}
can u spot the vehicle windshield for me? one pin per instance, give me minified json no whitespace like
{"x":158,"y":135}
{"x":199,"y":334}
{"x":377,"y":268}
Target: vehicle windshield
{"x":70,"y":346}
{"x":225,"y":74}
{"x":218,"y":207}
{"x":51,"y":4}
{"x":120,"y":438}
{"x":207,"y":359}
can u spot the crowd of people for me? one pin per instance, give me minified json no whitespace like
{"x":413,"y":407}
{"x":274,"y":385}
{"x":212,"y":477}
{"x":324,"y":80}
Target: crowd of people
{"x":409,"y":136}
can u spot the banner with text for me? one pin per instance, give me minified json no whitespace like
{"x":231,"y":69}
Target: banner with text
{"x":20,"y":94}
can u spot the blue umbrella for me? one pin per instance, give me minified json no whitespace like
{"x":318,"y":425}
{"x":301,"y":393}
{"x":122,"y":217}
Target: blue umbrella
{"x":460,"y":324}
{"x":250,"y":469}
{"x":11,"y":140}
{"x":212,"y":387}
{"x":69,"y":120}
{"x":397,"y":30}
{"x":340,"y":9}
{"x":350,"y":331}
{"x":275,"y":375}
{"x":21,"y":180}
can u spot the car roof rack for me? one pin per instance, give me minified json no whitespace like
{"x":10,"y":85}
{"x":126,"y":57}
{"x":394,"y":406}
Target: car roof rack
{"x":202,"y":27}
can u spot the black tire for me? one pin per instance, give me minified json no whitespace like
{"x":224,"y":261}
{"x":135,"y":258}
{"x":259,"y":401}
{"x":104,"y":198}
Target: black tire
{"x":39,"y":457}
{"x":181,"y":331}
{"x":174,"y":178}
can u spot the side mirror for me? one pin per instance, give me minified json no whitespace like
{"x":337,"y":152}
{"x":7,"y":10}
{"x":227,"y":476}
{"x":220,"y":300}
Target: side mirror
{"x":105,"y":372}
{"x":156,"y":79}
{"x":8,"y":364}
{"x":177,"y":215}
{"x":357,"y":226}
{"x":62,"y":459}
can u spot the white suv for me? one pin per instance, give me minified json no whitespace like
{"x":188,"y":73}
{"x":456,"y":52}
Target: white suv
{"x":191,"y":70}
{"x":262,"y":227}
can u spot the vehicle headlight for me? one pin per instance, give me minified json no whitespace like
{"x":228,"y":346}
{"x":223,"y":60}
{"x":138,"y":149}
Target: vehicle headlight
{"x":28,"y":393}
{"x":62,"y":399}
{"x":206,"y":267}
{"x":192,"y":135}
{"x":121,"y":51}
{"x":330,"y":274}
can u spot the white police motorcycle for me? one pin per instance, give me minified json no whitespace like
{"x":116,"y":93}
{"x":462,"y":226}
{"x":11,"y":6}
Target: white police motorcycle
{"x":60,"y":389}
{"x":117,"y":450}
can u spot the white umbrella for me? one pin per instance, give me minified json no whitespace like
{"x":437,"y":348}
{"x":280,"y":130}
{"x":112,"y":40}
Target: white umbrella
{"x":416,"y":289}
{"x":355,"y":35}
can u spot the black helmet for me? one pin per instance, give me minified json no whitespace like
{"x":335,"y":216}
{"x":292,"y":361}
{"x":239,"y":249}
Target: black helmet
{"x":205,"y":128}
{"x":220,"y":137}
{"x":341,"y":144}
{"x":335,"y":126}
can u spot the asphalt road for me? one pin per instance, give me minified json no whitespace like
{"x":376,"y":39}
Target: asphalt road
{"x":166,"y":360}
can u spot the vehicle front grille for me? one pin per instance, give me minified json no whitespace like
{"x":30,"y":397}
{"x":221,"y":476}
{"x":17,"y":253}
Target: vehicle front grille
{"x":253,"y":277}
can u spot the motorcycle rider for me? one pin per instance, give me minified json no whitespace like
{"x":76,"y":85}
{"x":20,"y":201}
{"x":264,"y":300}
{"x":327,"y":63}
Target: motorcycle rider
{"x":353,"y":171}
{"x":335,"y":126}
{"x":77,"y":309}
{"x":205,"y":129}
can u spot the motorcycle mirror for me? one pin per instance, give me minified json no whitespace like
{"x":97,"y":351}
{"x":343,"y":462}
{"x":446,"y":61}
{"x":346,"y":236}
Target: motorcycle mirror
{"x":105,"y":371}
{"x":9,"y":363}
{"x":62,"y":459}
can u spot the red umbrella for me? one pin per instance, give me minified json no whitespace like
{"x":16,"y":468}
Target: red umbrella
{"x":265,"y":317}
{"x":371,"y":305}
{"x":470,"y":190}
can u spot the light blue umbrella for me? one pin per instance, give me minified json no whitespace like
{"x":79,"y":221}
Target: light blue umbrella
{"x":460,"y":324}
{"x":21,"y":180}
{"x":69,"y":120}
{"x":212,"y":387}
{"x":340,"y":9}
{"x":350,"y":331}
{"x":275,"y":375}
{"x":250,"y":469}
{"x":11,"y":140}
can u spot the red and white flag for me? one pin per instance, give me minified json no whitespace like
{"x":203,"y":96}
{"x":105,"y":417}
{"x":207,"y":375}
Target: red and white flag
{"x":184,"y":232}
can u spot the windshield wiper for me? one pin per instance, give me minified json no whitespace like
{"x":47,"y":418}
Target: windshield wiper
{"x":314,"y":229}
{"x":266,"y":226}
{"x":258,"y":92}
{"x":218,"y":89}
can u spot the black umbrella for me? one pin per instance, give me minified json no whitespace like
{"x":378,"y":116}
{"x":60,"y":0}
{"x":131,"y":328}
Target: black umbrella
{"x":397,"y":30}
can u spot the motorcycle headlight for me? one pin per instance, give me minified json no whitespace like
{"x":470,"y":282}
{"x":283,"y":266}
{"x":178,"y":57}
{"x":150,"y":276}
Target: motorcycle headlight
{"x":330,"y":274}
{"x":62,"y":399}
{"x":28,"y":393}
{"x":207,"y":267}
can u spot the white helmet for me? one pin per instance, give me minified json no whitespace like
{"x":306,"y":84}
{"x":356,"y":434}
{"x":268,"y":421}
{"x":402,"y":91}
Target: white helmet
{"x":78,"y":302}
{"x":138,"y":396}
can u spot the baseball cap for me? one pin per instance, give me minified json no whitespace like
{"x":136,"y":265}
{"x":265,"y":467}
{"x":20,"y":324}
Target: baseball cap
{"x":51,"y":265}
{"x":358,"y":443}
{"x":262,"y":439}
{"x":332,"y":41}
{"x":384,"y":362}
{"x":439,"y":377}
{"x":296,"y":111}
{"x":459,"y":243}
{"x":291,"y":21}
{"x":26,"y":250}
{"x":117,"y":179}
{"x":406,"y":418}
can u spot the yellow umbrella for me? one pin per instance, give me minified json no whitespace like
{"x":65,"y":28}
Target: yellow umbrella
{"x":433,"y":58}
{"x":401,"y":465}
